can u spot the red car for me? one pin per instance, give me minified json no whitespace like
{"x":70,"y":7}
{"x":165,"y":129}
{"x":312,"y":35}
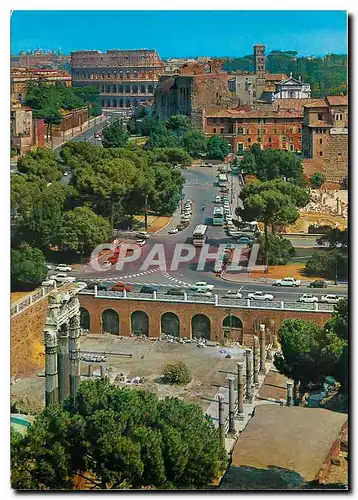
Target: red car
{"x":120,"y":287}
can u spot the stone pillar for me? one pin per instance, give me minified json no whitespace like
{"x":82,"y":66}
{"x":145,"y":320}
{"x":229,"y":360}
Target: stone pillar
{"x":62,"y":360}
{"x":240,"y":390}
{"x":221,"y":399}
{"x":51,"y":367}
{"x":256,"y":360}
{"x":74,"y":348}
{"x":249,"y":385}
{"x":274,"y":340}
{"x":231,"y":379}
{"x":103,"y":371}
{"x":269,"y":355}
{"x":289,"y":393}
{"x":262,"y":349}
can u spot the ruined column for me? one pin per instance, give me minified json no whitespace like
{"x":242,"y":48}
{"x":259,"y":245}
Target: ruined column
{"x":289,"y":393}
{"x":103,"y":371}
{"x":240,"y":390}
{"x":221,"y":399}
{"x":256,"y":360}
{"x":249,"y":384}
{"x":51,"y":367}
{"x":62,"y":360}
{"x":263,"y":349}
{"x":231,"y":379}
{"x":74,"y":353}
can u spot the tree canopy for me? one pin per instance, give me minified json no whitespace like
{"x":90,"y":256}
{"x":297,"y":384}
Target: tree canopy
{"x":115,"y":135}
{"x":40,"y":164}
{"x":317,"y":180}
{"x":28,"y":268}
{"x":218,"y":148}
{"x":116,"y":438}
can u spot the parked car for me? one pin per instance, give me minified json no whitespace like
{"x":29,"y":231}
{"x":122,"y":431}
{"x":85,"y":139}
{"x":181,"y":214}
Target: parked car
{"x":318,"y":284}
{"x":201,"y":285}
{"x":244,"y":240}
{"x":218,"y":199}
{"x":224,"y":190}
{"x":104,"y":286}
{"x":81,"y":283}
{"x":175,"y":230}
{"x":143,"y":235}
{"x":203,"y":292}
{"x":63,"y":278}
{"x":308,"y":298}
{"x":49,"y":282}
{"x":288,"y":282}
{"x":330,"y":299}
{"x":233,"y":294}
{"x":185,"y":217}
{"x":140,"y":243}
{"x":260,"y":296}
{"x":63,"y":268}
{"x":176,"y":291}
{"x":120,"y":287}
{"x":148,"y":289}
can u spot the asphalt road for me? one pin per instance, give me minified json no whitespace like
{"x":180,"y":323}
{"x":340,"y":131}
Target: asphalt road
{"x":201,"y":189}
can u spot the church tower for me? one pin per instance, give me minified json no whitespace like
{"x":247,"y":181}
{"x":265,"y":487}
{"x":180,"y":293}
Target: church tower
{"x":260,"y":68}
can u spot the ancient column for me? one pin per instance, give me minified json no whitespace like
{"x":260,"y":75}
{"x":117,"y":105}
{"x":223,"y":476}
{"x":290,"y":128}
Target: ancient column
{"x":262,"y":349}
{"x":62,"y":360}
{"x":231,"y":379}
{"x":103,"y":371}
{"x":240,"y":390}
{"x":249,"y":384}
{"x":289,"y":393}
{"x":256,"y":360}
{"x":74,"y":348}
{"x":51,"y":366}
{"x":221,"y":399}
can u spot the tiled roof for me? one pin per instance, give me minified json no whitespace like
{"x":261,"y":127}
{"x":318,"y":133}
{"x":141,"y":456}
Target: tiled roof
{"x":337,"y":100}
{"x":254,"y":113}
{"x":274,"y":77}
{"x":318,"y":103}
{"x":296,"y":104}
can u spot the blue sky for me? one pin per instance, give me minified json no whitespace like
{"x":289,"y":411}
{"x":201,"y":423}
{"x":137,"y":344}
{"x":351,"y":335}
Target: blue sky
{"x":181,"y":33}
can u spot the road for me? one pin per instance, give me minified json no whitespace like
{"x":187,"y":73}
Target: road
{"x":201,"y":189}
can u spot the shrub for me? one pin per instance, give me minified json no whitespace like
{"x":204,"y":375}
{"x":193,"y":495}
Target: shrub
{"x":176,"y":372}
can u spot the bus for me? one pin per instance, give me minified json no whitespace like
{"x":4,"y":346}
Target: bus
{"x":199,"y":235}
{"x":218,"y":216}
{"x":222,"y":180}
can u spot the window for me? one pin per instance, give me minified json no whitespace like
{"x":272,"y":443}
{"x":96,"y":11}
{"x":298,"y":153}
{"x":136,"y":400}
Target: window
{"x":240,"y":130}
{"x":292,"y":147}
{"x":221,"y":131}
{"x":341,"y":117}
{"x":269,"y":139}
{"x":320,"y":141}
{"x":320,"y":153}
{"x":249,"y":140}
{"x":275,"y":130}
{"x":320,"y":116}
{"x":248,"y":131}
{"x":214,"y":130}
{"x":259,"y":139}
{"x":299,"y":130}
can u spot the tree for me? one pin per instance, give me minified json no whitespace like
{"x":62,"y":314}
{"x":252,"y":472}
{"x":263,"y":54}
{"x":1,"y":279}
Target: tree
{"x":82,"y":230}
{"x":330,"y":264}
{"x":317,"y":179}
{"x":195,"y":143}
{"x":28,"y":268}
{"x":269,"y":164}
{"x":158,"y":135}
{"x":118,"y":438}
{"x":179,"y":124}
{"x":280,"y":250}
{"x":176,"y":372}
{"x":115,"y":135}
{"x":40,"y":164}
{"x":299,"y":351}
{"x":218,"y":148}
{"x":174,"y":156}
{"x":248,"y":164}
{"x":336,"y":238}
{"x":52,"y":116}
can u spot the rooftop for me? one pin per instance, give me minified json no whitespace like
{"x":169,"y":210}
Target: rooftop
{"x":337,"y":100}
{"x":255,"y":113}
{"x":273,"y":77}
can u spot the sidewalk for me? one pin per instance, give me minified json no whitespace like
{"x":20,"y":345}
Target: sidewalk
{"x":67,"y":136}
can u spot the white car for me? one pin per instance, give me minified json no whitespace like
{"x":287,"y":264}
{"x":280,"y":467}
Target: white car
{"x":308,"y":298}
{"x":140,"y":243}
{"x":49,"y":282}
{"x":288,"y":282}
{"x":233,"y":294}
{"x":143,"y":235}
{"x":63,"y":268}
{"x":81,"y":283}
{"x":218,"y":199}
{"x":202,"y":285}
{"x":203,"y":292}
{"x":330,"y":299}
{"x":260,"y":296}
{"x":63,"y":278}
{"x":175,"y":230}
{"x":186,"y":217}
{"x":65,"y":174}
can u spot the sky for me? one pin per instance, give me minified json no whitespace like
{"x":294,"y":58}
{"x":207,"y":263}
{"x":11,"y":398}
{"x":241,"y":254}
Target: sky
{"x":181,"y":33}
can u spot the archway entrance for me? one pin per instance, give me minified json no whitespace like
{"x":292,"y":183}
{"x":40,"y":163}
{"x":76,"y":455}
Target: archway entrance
{"x":140,"y":323}
{"x":232,"y":322}
{"x":110,"y":321}
{"x":232,"y":328}
{"x":85,"y":319}
{"x":200,"y":326}
{"x":169,"y":324}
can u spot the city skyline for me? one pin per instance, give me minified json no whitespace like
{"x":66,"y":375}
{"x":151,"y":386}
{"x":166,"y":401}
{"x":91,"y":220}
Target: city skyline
{"x":319,"y":33}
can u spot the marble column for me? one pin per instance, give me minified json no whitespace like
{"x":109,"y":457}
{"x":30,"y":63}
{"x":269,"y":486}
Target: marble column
{"x":289,"y":393}
{"x":263,"y":349}
{"x":221,"y":399}
{"x":62,"y":360}
{"x":51,"y":380}
{"x":256,"y":360}
{"x":74,"y":355}
{"x":231,"y":380}
{"x":240,"y":390}
{"x":249,"y":384}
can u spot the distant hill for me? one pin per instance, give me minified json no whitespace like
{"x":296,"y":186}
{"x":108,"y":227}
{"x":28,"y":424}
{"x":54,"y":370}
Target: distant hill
{"x":327,"y":75}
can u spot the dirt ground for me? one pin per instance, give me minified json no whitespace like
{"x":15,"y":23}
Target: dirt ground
{"x":154,"y":223}
{"x":294,"y":270}
{"x":208,"y":366}
{"x":18,"y":295}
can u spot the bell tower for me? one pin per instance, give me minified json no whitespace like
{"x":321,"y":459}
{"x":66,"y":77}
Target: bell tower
{"x":260,"y":59}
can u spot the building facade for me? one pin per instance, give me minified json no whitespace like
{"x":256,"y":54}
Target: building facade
{"x":292,"y":89}
{"x":25,"y":132}
{"x":39,"y":59}
{"x":200,"y":87}
{"x":20,"y":77}
{"x":325,"y":138}
{"x":271,"y":129}
{"x":126,"y":78}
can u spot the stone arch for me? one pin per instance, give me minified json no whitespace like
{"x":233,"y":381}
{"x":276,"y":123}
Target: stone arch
{"x":110,"y":321}
{"x":200,"y":326}
{"x":170,"y":324}
{"x":85,"y":319}
{"x":128,"y":89}
{"x":232,"y":322}
{"x":121,"y":103}
{"x":142,"y":89}
{"x":140,"y":323}
{"x":135,"y":103}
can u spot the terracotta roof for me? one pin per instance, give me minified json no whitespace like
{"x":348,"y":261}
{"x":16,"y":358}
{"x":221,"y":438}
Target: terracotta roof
{"x":274,"y":77}
{"x":295,"y":439}
{"x":254,"y":113}
{"x":337,"y":100}
{"x":318,"y":103}
{"x":296,"y":104}
{"x":269,"y":88}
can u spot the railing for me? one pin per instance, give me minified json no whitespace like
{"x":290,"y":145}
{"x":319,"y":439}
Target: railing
{"x":214,"y":300}
{"x":21,"y":304}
